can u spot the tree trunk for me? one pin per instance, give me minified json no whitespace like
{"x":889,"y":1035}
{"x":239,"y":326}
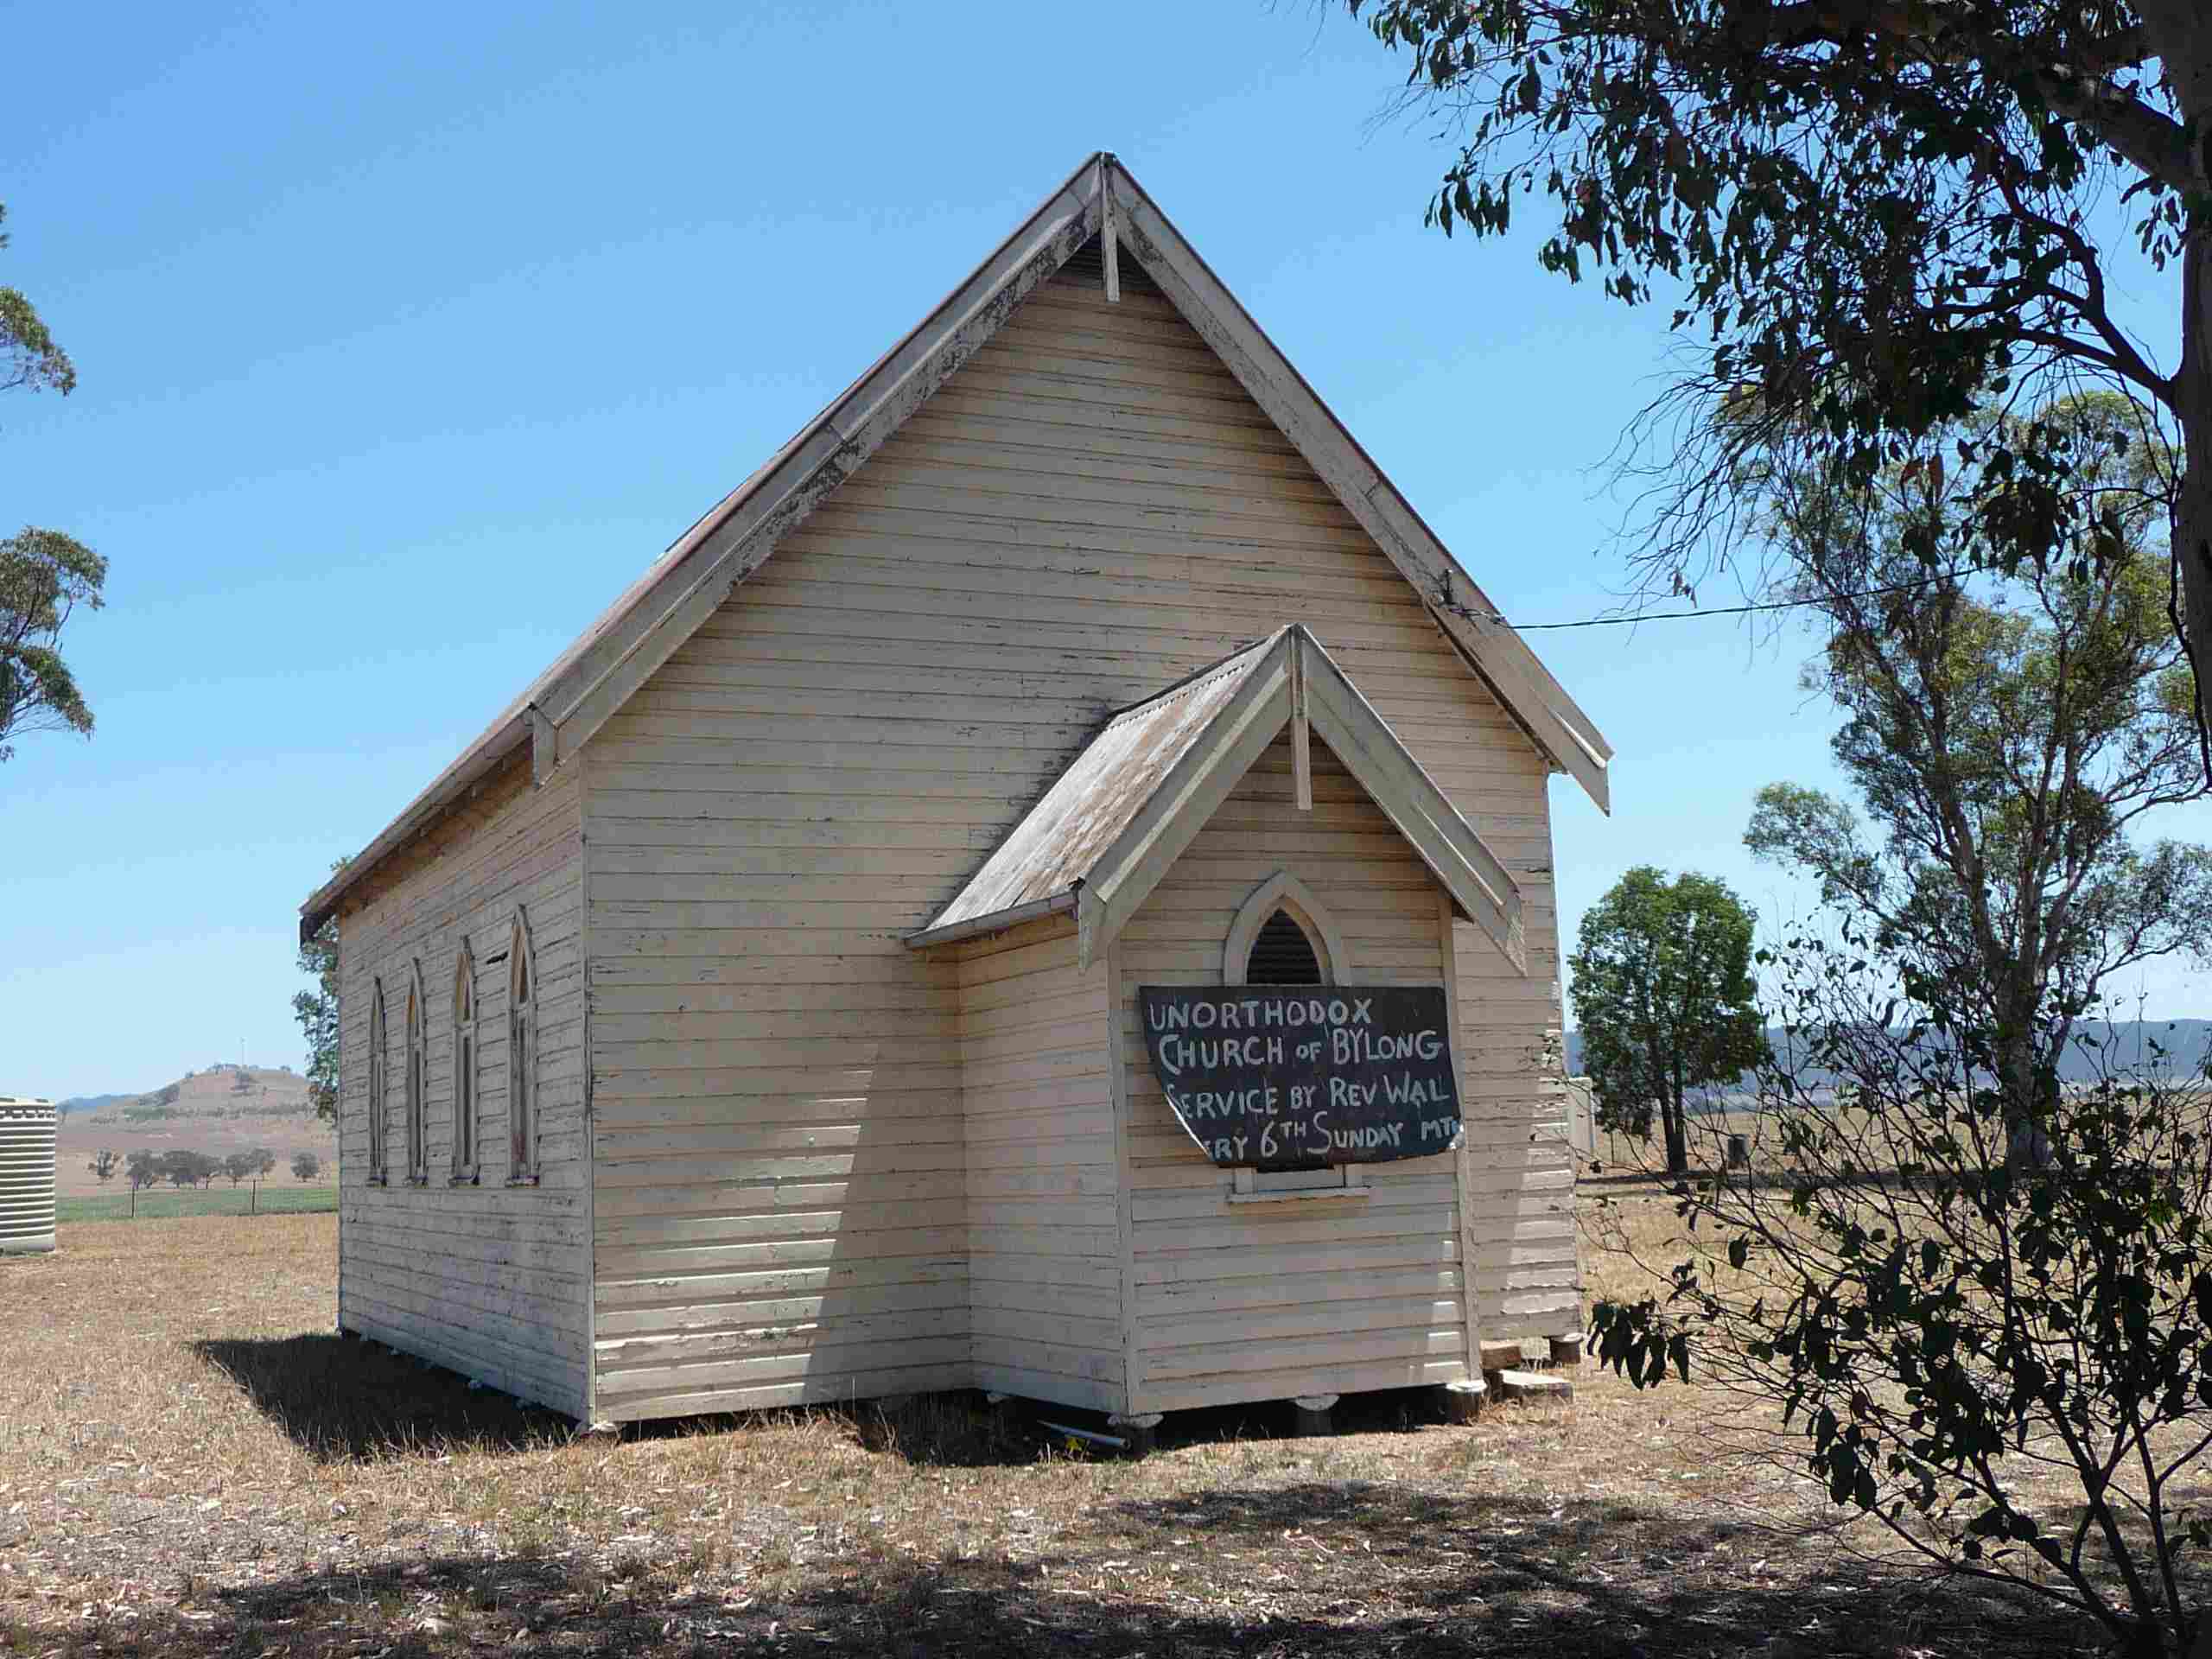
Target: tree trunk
{"x":2182,"y":36}
{"x":2192,"y":516}
{"x":2021,"y":1087}
{"x":1678,"y":1139}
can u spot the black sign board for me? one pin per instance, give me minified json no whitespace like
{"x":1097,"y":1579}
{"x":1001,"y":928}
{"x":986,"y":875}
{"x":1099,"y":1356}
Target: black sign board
{"x":1287,"y":1076}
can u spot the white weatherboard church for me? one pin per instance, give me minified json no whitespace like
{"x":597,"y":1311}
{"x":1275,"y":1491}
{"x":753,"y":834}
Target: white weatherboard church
{"x":756,"y":1012}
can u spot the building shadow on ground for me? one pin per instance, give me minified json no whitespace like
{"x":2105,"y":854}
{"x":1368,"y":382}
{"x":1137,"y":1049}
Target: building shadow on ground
{"x":1363,"y":1569}
{"x":957,"y":1429}
{"x":340,"y":1398}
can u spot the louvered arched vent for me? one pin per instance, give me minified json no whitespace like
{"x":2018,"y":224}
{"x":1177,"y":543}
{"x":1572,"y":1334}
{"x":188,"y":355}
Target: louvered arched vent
{"x":1282,"y":954}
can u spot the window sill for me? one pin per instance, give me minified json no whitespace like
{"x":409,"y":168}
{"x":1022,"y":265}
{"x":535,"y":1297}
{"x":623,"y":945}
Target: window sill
{"x":418,"y":1180}
{"x":464,"y":1178}
{"x":380,"y":1181}
{"x":522,"y":1180}
{"x":1302,"y":1194}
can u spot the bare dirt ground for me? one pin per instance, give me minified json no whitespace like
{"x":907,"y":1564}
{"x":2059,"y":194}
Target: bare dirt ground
{"x":191,"y":1464}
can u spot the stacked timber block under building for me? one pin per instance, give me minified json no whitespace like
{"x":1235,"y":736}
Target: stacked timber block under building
{"x":1045,"y":888}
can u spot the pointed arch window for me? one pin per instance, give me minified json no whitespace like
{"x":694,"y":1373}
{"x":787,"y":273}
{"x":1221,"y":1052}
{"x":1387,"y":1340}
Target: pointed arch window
{"x":416,"y":1076}
{"x":1283,"y":935}
{"x":522,"y":1055}
{"x":1282,"y":954}
{"x":465,"y":1047}
{"x":377,"y":1103}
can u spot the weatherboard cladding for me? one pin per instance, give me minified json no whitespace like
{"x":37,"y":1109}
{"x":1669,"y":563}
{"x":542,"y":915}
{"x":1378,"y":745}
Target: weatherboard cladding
{"x":1098,"y":797}
{"x":676,"y":593}
{"x":831,"y":1165}
{"x":817,"y":1164}
{"x":1233,"y":1302}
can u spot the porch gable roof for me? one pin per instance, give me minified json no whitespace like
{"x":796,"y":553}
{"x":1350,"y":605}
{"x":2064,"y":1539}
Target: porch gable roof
{"x":1112,"y":824}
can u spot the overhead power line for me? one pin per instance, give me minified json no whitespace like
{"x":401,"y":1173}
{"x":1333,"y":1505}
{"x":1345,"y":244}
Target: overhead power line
{"x":1472,"y":614}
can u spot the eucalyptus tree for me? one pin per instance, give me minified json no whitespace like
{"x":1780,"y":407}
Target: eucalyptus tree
{"x":317,"y":1011}
{"x":1869,"y":216}
{"x":45,"y":575}
{"x":2010,"y":734}
{"x":1945,"y":1319}
{"x":1665,"y":1001}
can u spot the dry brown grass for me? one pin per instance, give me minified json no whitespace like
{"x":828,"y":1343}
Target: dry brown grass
{"x":191,"y":1464}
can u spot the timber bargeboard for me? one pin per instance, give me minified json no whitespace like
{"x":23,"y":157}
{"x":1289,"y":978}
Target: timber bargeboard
{"x":675,"y":597}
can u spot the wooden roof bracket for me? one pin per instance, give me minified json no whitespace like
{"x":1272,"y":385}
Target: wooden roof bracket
{"x":1109,"y":243}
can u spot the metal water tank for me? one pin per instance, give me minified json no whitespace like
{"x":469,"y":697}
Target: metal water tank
{"x":26,"y":1174}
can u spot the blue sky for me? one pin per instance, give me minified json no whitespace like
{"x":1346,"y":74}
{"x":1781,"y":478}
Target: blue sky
{"x":407,"y":338}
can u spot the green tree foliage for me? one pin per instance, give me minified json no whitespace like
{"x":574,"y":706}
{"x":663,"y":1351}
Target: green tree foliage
{"x":44,"y":575}
{"x":1664,"y":996}
{"x":1945,"y":1326}
{"x":2007,"y":734}
{"x":1868,"y":214}
{"x":103,"y":1166}
{"x":317,"y":1012}
{"x":306,"y":1166}
{"x":29,"y":359}
{"x":142,"y":1168}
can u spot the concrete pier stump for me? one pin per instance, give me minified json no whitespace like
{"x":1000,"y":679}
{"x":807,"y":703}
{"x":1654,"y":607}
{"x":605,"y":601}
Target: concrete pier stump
{"x":1309,"y":1414}
{"x":1138,"y":1429}
{"x":1566,"y":1350}
{"x":1463,"y":1402}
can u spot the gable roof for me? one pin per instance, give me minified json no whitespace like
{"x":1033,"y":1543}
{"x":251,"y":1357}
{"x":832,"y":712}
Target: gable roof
{"x":1119,"y":817}
{"x":563,"y":706}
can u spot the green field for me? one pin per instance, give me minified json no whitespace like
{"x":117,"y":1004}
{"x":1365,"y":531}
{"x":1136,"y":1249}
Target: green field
{"x":164,"y":1203}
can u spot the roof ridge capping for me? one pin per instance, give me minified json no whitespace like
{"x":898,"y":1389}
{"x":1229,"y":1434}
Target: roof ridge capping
{"x":1192,"y":680}
{"x":1114,"y":821}
{"x":561,"y":709}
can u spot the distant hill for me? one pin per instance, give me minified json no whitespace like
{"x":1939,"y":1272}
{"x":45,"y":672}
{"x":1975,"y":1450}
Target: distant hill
{"x":88,"y":1103}
{"x":220,"y":1092}
{"x":223,"y":1110}
{"x":2187,"y":1043}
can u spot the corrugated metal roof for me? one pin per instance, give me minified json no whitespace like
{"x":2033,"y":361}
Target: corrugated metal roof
{"x":1097,"y":798}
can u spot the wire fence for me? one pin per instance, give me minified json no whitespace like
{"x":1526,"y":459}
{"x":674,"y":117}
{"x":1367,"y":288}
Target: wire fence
{"x":168,"y":1203}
